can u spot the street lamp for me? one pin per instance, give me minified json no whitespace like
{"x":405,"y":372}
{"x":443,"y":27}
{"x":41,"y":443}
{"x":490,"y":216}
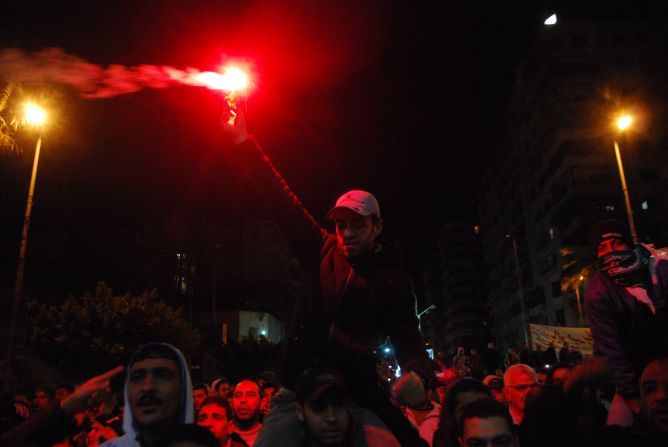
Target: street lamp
{"x":520,"y":288}
{"x":419,"y":314}
{"x":577,"y":296}
{"x":623,"y":122}
{"x":34,"y":116}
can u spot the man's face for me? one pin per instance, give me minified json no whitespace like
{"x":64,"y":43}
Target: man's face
{"x":41,"y":400}
{"x":542,"y":377}
{"x":214,"y":418}
{"x":224,"y":390}
{"x":268,"y":392}
{"x":518,"y":387}
{"x":355,"y":234}
{"x":154,"y":391}
{"x":62,"y":393}
{"x":483,"y":432}
{"x":609,"y":245}
{"x":327,"y":418}
{"x":246,"y":400}
{"x":654,"y":395}
{"x":198,"y":397}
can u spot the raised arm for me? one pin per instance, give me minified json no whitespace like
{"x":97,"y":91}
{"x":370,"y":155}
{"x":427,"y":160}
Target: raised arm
{"x":298,"y":226}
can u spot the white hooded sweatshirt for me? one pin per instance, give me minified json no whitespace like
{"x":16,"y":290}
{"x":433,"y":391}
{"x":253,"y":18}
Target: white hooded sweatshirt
{"x":186,"y":412}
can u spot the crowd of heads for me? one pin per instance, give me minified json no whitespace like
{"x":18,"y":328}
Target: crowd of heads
{"x":510,"y":406}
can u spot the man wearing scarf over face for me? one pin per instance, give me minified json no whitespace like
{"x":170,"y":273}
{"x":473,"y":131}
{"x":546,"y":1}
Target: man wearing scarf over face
{"x":626,"y":310}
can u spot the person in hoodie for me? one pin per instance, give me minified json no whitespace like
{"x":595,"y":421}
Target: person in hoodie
{"x":158,"y":396}
{"x":627,"y":312}
{"x":356,"y":297}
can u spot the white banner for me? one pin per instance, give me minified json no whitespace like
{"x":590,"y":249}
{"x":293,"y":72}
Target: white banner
{"x":580,"y":337}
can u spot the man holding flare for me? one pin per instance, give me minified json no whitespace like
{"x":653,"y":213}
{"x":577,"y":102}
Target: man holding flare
{"x":357,"y":297}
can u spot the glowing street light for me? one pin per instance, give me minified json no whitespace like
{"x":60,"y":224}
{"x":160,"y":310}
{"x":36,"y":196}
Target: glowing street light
{"x":623,"y":122}
{"x":552,"y":20}
{"x":34,"y":116}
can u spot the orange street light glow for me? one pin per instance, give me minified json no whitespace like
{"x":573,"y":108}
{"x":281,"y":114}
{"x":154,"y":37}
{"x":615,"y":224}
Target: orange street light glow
{"x":623,"y":122}
{"x":34,"y":114}
{"x":232,"y":80}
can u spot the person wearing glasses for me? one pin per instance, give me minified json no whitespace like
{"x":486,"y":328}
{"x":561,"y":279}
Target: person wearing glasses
{"x":519,"y":380}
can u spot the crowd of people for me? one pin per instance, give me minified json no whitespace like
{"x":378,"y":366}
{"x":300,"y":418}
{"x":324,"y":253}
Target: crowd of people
{"x":475,"y":362}
{"x":327,"y":391}
{"x":567,"y":403}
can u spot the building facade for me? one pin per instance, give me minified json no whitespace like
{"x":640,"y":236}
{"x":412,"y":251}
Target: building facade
{"x":555,"y":173}
{"x":456,"y":287}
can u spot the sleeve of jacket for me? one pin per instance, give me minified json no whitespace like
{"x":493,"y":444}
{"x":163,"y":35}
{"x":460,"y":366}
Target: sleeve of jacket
{"x":45,"y":428}
{"x":608,"y":341}
{"x":300,"y":229}
{"x":403,"y":327}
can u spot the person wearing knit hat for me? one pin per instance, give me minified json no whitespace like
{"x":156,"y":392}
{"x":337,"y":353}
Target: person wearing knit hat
{"x":625,"y":306}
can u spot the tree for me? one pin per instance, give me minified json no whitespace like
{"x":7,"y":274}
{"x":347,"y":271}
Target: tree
{"x":7,"y":139}
{"x":91,"y":332}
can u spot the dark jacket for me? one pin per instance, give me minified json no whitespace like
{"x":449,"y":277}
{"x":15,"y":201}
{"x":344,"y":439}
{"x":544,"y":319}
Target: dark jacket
{"x":42,"y":428}
{"x":348,"y":310}
{"x":554,"y":419}
{"x":624,"y":330}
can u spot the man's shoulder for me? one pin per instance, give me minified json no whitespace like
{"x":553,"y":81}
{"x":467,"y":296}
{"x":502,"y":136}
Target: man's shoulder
{"x":598,"y":288}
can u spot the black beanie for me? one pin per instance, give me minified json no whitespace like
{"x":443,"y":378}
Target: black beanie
{"x":609,"y":229}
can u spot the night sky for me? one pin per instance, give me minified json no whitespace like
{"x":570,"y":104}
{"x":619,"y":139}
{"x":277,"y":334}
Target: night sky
{"x":402,"y":98}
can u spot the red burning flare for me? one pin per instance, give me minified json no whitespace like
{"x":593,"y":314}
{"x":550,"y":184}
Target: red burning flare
{"x":233,"y":79}
{"x":94,"y":81}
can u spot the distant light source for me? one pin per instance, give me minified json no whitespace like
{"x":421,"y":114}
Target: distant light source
{"x":34,"y":114}
{"x":263,"y":332}
{"x":387,"y":350}
{"x":623,"y":122}
{"x":552,"y":20}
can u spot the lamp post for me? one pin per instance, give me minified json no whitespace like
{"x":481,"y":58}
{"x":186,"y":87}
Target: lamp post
{"x":419,"y":314}
{"x":35,"y":116}
{"x":578,"y":298}
{"x":520,"y":288}
{"x":623,"y":123}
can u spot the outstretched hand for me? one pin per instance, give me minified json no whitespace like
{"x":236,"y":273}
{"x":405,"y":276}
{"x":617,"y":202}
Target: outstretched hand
{"x":90,"y":393}
{"x":586,"y":373}
{"x":234,"y":127}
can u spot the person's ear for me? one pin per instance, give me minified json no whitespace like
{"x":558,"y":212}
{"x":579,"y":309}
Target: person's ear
{"x":299,"y":410}
{"x":377,"y":228}
{"x":506,"y":393}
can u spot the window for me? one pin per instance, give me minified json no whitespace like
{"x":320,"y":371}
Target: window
{"x":550,"y":232}
{"x":645,"y":205}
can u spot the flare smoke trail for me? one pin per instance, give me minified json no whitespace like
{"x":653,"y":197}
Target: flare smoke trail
{"x":94,"y":81}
